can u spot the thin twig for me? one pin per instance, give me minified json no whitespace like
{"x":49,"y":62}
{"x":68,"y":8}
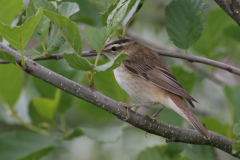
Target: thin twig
{"x":190,"y":58}
{"x":197,"y":59}
{"x":55,"y":56}
{"x":140,"y":121}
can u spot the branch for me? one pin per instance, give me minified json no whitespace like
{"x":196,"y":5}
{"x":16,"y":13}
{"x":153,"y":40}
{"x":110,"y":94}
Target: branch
{"x":190,"y":58}
{"x":173,"y":133}
{"x":197,"y":59}
{"x":231,"y":7}
{"x":54,"y":56}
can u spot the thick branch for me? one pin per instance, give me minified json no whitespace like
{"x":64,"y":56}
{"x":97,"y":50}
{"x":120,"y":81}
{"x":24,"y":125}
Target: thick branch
{"x":174,"y":133}
{"x":231,"y":7}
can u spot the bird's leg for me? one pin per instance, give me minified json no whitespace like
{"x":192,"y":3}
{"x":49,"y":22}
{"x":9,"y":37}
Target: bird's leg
{"x":155,"y":116}
{"x":129,"y":106}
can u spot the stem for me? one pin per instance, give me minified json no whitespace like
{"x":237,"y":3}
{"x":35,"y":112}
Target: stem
{"x":186,"y":51}
{"x":124,"y":32}
{"x":118,"y":34}
{"x":28,"y":126}
{"x":45,"y":51}
{"x":23,"y":60}
{"x":98,"y":55}
{"x":63,"y":122}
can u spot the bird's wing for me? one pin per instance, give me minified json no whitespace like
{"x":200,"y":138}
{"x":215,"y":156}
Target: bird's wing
{"x":154,"y":69}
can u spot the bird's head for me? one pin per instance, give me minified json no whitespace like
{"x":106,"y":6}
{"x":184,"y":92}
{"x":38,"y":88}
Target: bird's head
{"x":113,"y":49}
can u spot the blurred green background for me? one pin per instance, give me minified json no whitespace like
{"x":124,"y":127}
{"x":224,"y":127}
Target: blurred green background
{"x":104,"y":136}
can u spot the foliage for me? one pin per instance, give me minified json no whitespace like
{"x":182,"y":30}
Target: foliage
{"x":186,"y":23}
{"x":88,"y":132}
{"x":236,"y":139}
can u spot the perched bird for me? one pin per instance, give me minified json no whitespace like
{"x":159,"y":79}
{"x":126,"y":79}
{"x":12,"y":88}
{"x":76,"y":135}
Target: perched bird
{"x":147,"y":78}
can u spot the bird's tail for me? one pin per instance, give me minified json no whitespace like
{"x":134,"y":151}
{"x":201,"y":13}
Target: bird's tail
{"x":196,"y":124}
{"x":178,"y":105}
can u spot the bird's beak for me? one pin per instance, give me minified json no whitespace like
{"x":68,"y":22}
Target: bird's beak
{"x":92,"y":51}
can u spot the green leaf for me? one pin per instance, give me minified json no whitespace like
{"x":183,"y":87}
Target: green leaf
{"x":116,"y":16}
{"x":103,"y":4}
{"x":78,"y":62}
{"x":31,"y":9}
{"x":42,"y":28}
{"x":99,"y":40}
{"x":55,"y":40}
{"x":67,"y":9}
{"x":11,"y":83}
{"x":212,"y":35}
{"x":40,"y":33}
{"x":47,"y":107}
{"x":26,"y":145}
{"x":9,"y":9}
{"x":107,"y":135}
{"x":76,"y":132}
{"x":89,"y":13}
{"x":45,"y":5}
{"x":19,"y":36}
{"x":133,"y":7}
{"x":186,"y":79}
{"x":186,"y":23}
{"x":36,"y":118}
{"x":7,"y":57}
{"x":72,"y":34}
{"x":215,"y":125}
{"x":32,"y":52}
{"x":110,"y":66}
{"x":232,"y":94}
{"x":236,"y":138}
{"x":104,"y":17}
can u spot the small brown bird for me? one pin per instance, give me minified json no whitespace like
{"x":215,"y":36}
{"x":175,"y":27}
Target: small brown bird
{"x":147,"y":78}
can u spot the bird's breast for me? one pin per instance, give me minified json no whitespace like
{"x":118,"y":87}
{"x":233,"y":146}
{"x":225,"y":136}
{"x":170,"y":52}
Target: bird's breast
{"x":138,"y":88}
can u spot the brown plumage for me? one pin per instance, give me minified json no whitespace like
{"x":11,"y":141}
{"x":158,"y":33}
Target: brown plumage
{"x":146,"y":77}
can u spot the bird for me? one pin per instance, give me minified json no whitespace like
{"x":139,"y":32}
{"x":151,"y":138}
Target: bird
{"x":147,"y":78}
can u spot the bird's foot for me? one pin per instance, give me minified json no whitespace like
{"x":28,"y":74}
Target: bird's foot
{"x":154,"y":117}
{"x":129,"y":106}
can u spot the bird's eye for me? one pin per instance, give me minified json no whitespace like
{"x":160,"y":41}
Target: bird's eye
{"x":114,"y":48}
